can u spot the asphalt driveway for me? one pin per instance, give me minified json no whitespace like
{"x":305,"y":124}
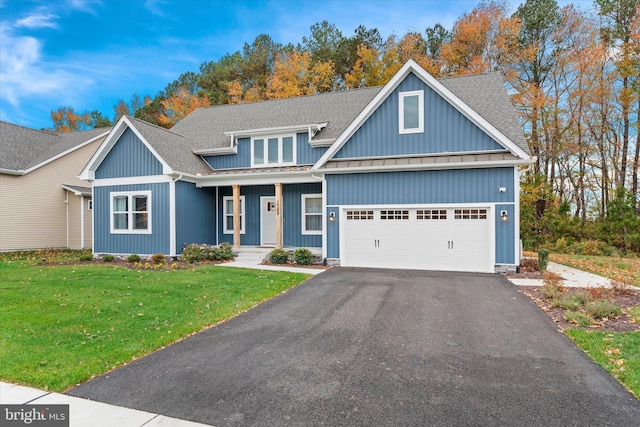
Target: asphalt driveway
{"x":377,"y":347}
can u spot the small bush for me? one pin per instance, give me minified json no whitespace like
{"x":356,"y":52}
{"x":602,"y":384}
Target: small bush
{"x":561,"y":245}
{"x":278,"y":256}
{"x":108,"y":258}
{"x":620,"y":288}
{"x":157,"y":259}
{"x":302,"y":256}
{"x":578,"y":318}
{"x":574,"y":301}
{"x":528,"y":265}
{"x":191,"y":253}
{"x":602,"y":308}
{"x":543,"y":259}
{"x":226,"y":251}
{"x":86,"y":257}
{"x":133,"y":258}
{"x":552,"y":289}
{"x":599,"y":293}
{"x":634,"y":313}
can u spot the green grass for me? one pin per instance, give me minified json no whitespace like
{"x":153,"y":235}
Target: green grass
{"x":61,"y":325}
{"x":618,"y":353}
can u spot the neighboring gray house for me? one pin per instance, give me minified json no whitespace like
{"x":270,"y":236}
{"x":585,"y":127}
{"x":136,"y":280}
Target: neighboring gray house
{"x":420,"y":173}
{"x":43,"y":204}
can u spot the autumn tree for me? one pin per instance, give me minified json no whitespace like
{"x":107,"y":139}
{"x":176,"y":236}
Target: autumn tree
{"x":66,"y":120}
{"x":295,"y":74}
{"x":178,"y":106}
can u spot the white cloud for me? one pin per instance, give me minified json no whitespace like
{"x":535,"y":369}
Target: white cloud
{"x":38,"y":20}
{"x":85,"y":5}
{"x":156,"y":7}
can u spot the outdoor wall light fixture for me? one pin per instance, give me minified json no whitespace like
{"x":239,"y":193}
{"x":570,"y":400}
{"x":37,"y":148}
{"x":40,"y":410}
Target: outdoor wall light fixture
{"x":332,"y":216}
{"x":503,"y":216}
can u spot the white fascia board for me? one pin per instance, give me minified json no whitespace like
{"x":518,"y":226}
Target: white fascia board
{"x":261,"y":179}
{"x":151,"y":179}
{"x":101,"y":153}
{"x":11,"y":172}
{"x":64,"y":153}
{"x":412,"y":66}
{"x":427,"y":166}
{"x":275,"y":130}
{"x":220,"y":151}
{"x":75,"y":192}
{"x":322,"y":142}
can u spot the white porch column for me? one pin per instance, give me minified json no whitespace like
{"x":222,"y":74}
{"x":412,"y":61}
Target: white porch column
{"x":236,"y":216}
{"x":278,"y":215}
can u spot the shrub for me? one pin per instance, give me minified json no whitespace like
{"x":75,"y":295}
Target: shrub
{"x":577,"y":318}
{"x":302,"y":256}
{"x":133,"y":258}
{"x":574,"y":301}
{"x":278,"y":256}
{"x":86,"y":257}
{"x":158,"y":259}
{"x":108,"y":258}
{"x":528,"y":265}
{"x":191,"y":253}
{"x":561,"y":245}
{"x":543,"y":259}
{"x":634,"y":313}
{"x":552,"y":289}
{"x":226,"y":251}
{"x":602,"y":308}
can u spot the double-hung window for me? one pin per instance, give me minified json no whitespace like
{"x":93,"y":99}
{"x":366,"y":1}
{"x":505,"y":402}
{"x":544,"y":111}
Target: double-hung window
{"x":411,"y":109}
{"x":227,"y":214}
{"x":273,"y":151}
{"x":131,"y":212}
{"x":312,"y":214}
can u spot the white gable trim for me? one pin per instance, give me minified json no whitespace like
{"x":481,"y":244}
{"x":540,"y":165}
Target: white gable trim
{"x":440,"y":89}
{"x":88,"y":173}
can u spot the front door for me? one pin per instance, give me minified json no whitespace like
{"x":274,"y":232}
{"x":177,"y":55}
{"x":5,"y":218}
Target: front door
{"x":267,"y":221}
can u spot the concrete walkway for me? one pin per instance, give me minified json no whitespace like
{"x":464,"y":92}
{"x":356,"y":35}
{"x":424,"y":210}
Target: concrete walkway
{"x":573,"y":278}
{"x":84,"y":412}
{"x":259,"y":266}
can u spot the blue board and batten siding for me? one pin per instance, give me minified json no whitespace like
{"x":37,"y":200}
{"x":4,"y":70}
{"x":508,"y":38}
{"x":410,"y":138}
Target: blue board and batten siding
{"x":292,"y":214}
{"x":156,"y":242}
{"x":445,"y":129}
{"x":305,"y":154}
{"x":195,"y":215}
{"x":129,"y":157}
{"x":463,"y":186}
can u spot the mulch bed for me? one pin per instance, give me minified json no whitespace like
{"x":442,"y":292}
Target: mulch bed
{"x":293,"y":264}
{"x":142,"y":265}
{"x":627,"y":299}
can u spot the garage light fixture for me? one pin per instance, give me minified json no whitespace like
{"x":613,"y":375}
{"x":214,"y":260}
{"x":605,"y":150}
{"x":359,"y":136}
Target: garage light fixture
{"x":504,"y":216}
{"x":332,"y":216}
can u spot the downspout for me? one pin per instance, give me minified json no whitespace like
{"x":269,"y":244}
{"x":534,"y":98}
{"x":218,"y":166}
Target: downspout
{"x":324,"y":214}
{"x":81,"y":222}
{"x":66,"y":202}
{"x":172,"y":216}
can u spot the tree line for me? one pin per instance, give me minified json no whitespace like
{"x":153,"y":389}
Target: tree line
{"x":573,"y":75}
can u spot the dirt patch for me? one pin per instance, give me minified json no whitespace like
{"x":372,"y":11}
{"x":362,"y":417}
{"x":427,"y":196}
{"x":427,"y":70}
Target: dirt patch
{"x":626,"y":300}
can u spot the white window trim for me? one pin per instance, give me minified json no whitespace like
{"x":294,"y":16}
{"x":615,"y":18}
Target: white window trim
{"x":225,"y":230}
{"x":265,"y":143}
{"x":401,"y":97}
{"x":304,"y":214}
{"x":130,"y":229}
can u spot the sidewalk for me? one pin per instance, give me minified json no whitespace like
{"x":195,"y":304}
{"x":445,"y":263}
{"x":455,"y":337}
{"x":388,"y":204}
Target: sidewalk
{"x":259,"y":266}
{"x":573,"y":278}
{"x":83,"y":412}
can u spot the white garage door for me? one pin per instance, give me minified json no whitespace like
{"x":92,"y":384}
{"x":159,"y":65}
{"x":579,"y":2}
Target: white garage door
{"x":452,"y":239}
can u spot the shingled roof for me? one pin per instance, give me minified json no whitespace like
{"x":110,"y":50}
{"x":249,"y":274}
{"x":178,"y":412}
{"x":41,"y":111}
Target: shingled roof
{"x":22,"y":149}
{"x":206,"y":127}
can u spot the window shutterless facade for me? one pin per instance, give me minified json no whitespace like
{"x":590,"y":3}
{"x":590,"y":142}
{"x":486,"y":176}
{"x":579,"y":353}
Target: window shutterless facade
{"x":227,"y":214}
{"x":130,"y":212}
{"x":411,"y":111}
{"x":273,"y":151}
{"x":312,"y":214}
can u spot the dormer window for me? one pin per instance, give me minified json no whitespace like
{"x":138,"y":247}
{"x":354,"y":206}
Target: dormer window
{"x":411,"y":109}
{"x":273,"y":151}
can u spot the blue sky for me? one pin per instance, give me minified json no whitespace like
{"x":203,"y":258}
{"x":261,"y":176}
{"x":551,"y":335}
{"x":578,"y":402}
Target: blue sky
{"x":88,"y":54}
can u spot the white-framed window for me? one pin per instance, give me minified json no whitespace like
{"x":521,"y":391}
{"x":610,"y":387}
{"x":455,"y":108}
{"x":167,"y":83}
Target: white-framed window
{"x":130,"y":212}
{"x":312,"y":214}
{"x":411,"y":111}
{"x":273,"y":151}
{"x":227,"y":214}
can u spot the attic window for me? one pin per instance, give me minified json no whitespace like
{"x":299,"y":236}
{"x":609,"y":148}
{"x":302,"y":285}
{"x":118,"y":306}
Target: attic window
{"x":273,"y":151}
{"x":411,"y":112}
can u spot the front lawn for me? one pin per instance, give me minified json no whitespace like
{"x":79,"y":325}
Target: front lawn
{"x":618,"y":353}
{"x":63,"y":324}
